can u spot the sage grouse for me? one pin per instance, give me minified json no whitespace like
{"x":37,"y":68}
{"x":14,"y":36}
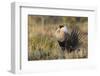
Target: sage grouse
{"x":67,"y":40}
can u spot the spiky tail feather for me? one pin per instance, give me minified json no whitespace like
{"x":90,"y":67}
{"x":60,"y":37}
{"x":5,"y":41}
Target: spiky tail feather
{"x":73,"y":41}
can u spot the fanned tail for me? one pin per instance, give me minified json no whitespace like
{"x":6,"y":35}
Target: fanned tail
{"x":73,"y":42}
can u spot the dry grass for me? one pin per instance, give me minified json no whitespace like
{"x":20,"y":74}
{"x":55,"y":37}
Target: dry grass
{"x":42,"y":44}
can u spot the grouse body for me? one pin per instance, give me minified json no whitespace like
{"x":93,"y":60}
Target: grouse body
{"x":67,"y":40}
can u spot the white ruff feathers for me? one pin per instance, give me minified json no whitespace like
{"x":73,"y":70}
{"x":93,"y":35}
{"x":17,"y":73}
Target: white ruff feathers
{"x":64,"y":29}
{"x":60,"y":33}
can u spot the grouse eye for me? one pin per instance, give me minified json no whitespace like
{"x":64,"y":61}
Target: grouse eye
{"x":60,"y":26}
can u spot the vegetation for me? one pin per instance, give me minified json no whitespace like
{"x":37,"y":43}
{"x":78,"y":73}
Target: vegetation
{"x":42,"y":44}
